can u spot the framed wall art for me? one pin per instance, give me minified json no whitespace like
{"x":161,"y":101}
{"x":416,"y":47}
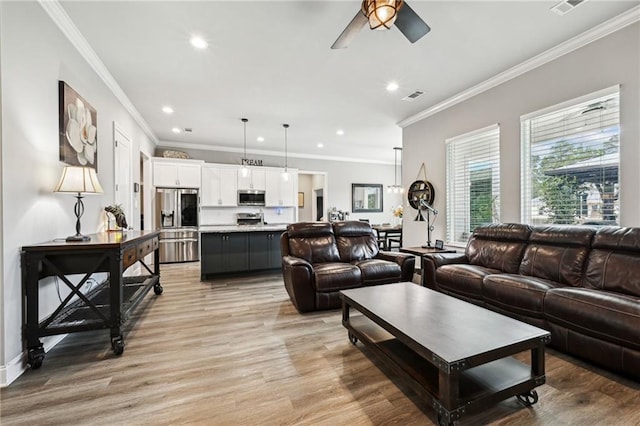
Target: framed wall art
{"x":78,"y":128}
{"x":301,"y":199}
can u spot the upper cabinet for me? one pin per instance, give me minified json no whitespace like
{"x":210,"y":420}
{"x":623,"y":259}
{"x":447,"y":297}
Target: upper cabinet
{"x":219,"y":185}
{"x":281,"y":192}
{"x":173,"y":173}
{"x":254,"y":180}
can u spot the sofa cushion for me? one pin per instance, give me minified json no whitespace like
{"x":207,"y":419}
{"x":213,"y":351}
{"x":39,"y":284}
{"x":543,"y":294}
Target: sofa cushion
{"x":498,"y":246}
{"x":378,"y":271}
{"x":355,"y":241}
{"x":613,"y":262}
{"x":557,"y":253}
{"x":336,"y":276}
{"x":520,"y":294}
{"x":313,"y":242}
{"x":462,"y":279}
{"x":605,"y":315}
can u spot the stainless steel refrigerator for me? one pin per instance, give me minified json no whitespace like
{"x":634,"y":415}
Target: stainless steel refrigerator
{"x":177,"y":212}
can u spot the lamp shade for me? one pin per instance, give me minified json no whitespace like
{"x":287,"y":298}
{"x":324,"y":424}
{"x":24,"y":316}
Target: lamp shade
{"x":79,"y":180}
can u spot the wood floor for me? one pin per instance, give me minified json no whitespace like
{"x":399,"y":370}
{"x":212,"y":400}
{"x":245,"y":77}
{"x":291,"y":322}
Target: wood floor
{"x":235,"y":352}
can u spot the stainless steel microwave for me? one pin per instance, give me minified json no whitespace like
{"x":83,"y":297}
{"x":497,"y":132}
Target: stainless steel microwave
{"x":251,"y":197}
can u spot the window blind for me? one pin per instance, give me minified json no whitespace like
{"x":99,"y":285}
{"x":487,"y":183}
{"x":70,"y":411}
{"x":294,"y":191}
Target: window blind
{"x":570,"y":162}
{"x":473,"y":182}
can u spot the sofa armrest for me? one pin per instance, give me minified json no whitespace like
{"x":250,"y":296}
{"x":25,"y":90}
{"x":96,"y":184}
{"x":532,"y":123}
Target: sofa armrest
{"x":406,"y":261}
{"x":298,"y":281}
{"x":432,"y":261}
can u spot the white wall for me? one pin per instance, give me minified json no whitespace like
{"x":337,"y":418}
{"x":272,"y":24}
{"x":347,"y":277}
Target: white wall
{"x":340,"y":176}
{"x":34,"y":56}
{"x":612,"y":60}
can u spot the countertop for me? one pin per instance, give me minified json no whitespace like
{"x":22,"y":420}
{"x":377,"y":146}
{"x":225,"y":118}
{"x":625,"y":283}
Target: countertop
{"x":212,"y":229}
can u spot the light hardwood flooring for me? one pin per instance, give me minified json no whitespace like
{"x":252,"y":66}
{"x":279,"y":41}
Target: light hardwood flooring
{"x":234,"y":351}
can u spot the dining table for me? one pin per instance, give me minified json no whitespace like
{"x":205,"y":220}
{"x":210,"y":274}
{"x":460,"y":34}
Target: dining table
{"x":388,"y":231}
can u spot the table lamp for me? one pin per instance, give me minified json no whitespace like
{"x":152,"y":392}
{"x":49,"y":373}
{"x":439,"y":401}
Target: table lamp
{"x":79,"y":180}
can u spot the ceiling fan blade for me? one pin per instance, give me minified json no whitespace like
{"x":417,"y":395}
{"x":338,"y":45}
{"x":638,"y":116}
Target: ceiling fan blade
{"x":351,"y":31}
{"x":410,"y":24}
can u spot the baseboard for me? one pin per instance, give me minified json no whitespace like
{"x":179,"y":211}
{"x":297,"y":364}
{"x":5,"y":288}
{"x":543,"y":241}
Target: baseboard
{"x":18,"y":365}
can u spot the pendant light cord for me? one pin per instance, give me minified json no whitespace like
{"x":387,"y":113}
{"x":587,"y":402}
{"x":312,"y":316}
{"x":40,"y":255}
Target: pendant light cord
{"x":244,"y":120}
{"x":286,"y":126}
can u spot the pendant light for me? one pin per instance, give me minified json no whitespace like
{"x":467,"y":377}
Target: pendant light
{"x":395,"y":188}
{"x":244,"y":170}
{"x":285,"y":174}
{"x":381,"y":13}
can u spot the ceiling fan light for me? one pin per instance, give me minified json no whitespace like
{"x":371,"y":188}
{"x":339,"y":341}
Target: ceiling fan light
{"x":381,"y":13}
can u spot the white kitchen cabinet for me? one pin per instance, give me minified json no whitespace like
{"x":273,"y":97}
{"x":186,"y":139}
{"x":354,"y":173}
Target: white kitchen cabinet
{"x":280,"y":192}
{"x":176,"y":173}
{"x":254,"y":180}
{"x":219,"y":186}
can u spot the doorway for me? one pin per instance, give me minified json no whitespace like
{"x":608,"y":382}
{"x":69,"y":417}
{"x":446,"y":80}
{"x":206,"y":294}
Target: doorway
{"x":314,"y":187}
{"x":122,"y":173}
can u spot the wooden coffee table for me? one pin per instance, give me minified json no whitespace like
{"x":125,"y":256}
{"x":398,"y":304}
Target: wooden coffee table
{"x":455,"y":355}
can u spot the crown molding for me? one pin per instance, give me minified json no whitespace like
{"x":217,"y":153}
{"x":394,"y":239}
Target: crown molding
{"x":612,"y":25}
{"x":60,"y":17}
{"x":219,"y":148}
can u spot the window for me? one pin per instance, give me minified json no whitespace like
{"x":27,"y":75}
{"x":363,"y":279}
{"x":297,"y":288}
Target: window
{"x":473,"y":182}
{"x":570,"y":161}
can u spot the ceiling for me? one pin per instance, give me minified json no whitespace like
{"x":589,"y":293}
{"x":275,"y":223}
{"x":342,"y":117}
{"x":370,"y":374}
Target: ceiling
{"x":271,"y":62}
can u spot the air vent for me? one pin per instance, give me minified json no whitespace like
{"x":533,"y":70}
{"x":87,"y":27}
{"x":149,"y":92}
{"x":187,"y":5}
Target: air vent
{"x":566,"y":6}
{"x":188,"y":130}
{"x":413,"y":96}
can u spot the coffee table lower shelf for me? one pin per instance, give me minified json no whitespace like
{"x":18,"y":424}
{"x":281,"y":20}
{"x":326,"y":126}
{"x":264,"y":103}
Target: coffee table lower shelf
{"x":477,"y":388}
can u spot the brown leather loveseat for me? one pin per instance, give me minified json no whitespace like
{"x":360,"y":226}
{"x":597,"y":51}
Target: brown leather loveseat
{"x":580,"y":283}
{"x":319,"y":259}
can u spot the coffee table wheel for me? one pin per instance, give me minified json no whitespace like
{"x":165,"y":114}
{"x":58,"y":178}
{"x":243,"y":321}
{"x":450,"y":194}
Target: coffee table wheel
{"x":529,"y":398}
{"x":353,"y":339}
{"x":443,"y":422}
{"x":117,"y":345}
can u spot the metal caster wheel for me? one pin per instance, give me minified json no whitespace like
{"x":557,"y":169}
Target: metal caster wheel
{"x":35,"y":357}
{"x":443,"y":422}
{"x":353,"y":339}
{"x":157,"y":289}
{"x":528,"y":399}
{"x":117,"y":344}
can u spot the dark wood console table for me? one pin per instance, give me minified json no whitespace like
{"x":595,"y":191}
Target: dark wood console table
{"x":107,"y":305}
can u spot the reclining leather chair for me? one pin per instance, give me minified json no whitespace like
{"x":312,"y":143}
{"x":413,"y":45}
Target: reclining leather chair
{"x":319,"y":259}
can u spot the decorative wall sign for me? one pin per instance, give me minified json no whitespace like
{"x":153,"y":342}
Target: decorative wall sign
{"x":251,"y":162}
{"x":78,"y":128}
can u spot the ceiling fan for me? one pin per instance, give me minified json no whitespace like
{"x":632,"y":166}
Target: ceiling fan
{"x":383,"y":14}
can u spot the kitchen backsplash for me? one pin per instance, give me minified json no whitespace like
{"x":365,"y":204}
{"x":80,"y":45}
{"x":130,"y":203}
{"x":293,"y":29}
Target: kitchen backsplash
{"x":227,"y":215}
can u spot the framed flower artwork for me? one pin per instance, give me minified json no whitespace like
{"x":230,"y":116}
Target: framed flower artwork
{"x":78,"y":129}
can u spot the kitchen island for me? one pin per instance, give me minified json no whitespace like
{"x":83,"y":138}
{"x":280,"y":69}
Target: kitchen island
{"x":232,"y":249}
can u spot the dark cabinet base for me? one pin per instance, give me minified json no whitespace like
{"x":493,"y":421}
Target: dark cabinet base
{"x":238,"y":252}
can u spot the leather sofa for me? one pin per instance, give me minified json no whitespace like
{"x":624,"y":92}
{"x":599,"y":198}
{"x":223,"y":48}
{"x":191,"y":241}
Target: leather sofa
{"x":582,"y":284}
{"x":319,"y":259}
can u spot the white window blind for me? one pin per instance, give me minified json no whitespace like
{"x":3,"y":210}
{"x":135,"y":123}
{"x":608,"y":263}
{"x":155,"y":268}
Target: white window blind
{"x":570,"y":161}
{"x":473,"y":182}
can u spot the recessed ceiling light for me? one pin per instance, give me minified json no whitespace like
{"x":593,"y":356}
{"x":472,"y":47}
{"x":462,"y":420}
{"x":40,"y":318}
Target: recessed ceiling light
{"x":260,"y":139}
{"x":198,"y":42}
{"x":167,"y":110}
{"x":392,"y":86}
{"x":340,"y":132}
{"x":320,"y":145}
{"x":175,"y":130}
